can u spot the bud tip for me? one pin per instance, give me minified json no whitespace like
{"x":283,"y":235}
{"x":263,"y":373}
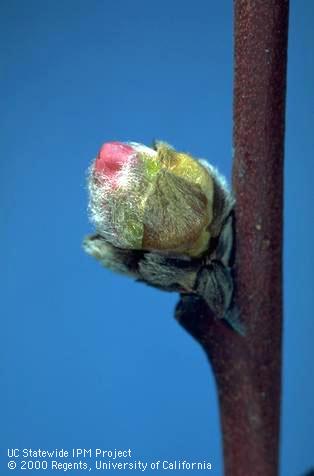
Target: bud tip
{"x":112,"y":156}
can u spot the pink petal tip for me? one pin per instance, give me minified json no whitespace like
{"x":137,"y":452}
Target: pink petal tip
{"x":112,"y":156}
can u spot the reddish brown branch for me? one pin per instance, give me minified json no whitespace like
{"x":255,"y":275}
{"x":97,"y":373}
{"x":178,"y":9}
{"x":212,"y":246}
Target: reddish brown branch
{"x":248,"y":369}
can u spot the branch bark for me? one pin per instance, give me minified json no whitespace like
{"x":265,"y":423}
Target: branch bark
{"x":248,"y":369}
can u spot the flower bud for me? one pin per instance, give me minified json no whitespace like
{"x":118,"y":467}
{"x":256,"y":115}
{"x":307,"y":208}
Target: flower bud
{"x":141,"y":198}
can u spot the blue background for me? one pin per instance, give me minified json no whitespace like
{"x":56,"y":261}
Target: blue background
{"x":89,"y":358}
